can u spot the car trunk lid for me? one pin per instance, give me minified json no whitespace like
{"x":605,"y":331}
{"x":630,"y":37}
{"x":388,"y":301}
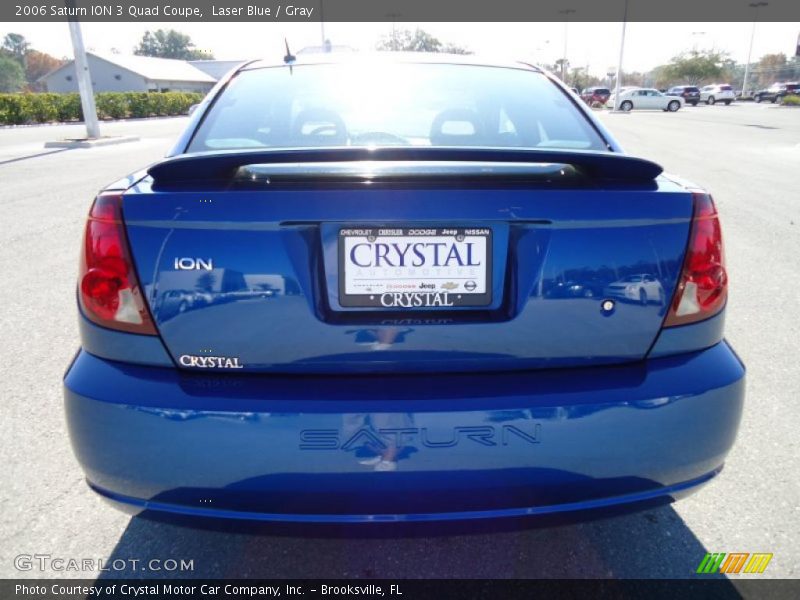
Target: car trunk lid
{"x":244,"y":259}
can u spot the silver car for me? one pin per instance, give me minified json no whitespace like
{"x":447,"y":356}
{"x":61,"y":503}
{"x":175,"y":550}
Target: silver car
{"x":645,"y":98}
{"x":719,"y":92}
{"x":642,"y":288}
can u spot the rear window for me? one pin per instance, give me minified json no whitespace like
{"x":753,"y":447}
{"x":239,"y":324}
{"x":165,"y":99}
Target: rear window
{"x":725,"y":88}
{"x":692,"y":89}
{"x":602,"y":91}
{"x":793,"y":87}
{"x":388,"y":104}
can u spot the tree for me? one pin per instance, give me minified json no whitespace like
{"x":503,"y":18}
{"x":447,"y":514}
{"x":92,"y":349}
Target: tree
{"x":169,"y":44}
{"x":635,"y":78}
{"x":450,"y":48}
{"x":16,"y":46}
{"x":732,"y":73}
{"x":206,"y":281}
{"x":405,"y":40}
{"x":660,"y":77}
{"x":38,"y":64}
{"x":12,"y":77}
{"x":695,"y":67}
{"x":581,"y":79}
{"x":773,"y":67}
{"x":562,"y":68}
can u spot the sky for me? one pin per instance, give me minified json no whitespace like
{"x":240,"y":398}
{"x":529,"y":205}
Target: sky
{"x":592,"y":45}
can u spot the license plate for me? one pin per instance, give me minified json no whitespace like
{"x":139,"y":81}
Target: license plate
{"x":415,"y":267}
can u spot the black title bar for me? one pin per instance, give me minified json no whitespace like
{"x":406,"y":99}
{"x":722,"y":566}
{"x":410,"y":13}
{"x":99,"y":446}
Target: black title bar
{"x":399,"y":10}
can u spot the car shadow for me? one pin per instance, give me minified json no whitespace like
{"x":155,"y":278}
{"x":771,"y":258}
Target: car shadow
{"x":35,"y":155}
{"x":654,"y":543}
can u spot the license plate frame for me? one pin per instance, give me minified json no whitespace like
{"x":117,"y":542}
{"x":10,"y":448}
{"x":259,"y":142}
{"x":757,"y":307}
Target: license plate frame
{"x":462,"y":280}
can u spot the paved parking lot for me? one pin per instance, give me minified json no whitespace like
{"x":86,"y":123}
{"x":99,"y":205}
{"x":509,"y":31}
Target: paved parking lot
{"x":747,"y":155}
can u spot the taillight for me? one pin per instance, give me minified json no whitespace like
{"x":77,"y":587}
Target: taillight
{"x":703,"y":284}
{"x":108,"y":289}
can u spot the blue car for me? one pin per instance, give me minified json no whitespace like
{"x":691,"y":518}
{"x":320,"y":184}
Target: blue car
{"x":339,"y":299}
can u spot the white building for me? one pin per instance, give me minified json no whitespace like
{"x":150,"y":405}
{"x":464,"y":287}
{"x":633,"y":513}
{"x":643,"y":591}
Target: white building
{"x":130,"y":73}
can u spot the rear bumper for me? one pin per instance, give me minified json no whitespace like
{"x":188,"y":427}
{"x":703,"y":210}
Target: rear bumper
{"x":458,"y":446}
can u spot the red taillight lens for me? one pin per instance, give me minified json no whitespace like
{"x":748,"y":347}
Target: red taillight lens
{"x":109,"y":291}
{"x":703,"y":284}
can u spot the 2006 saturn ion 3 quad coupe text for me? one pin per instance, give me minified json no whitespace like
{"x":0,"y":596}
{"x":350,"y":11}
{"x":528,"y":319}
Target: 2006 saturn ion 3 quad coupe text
{"x":335,"y":301}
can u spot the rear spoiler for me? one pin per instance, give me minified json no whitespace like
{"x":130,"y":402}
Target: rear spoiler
{"x":349,"y":164}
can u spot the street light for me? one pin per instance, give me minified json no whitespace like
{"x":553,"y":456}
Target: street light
{"x":755,"y":5}
{"x":694,"y":33}
{"x":84,"y":79}
{"x":322,"y":26}
{"x":619,"y":63}
{"x":393,"y":16}
{"x":566,"y":12}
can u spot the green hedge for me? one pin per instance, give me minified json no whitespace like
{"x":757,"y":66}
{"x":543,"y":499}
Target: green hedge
{"x":791,"y":100}
{"x":16,"y":109}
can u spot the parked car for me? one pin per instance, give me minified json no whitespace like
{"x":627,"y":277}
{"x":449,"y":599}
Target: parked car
{"x":642,"y":288}
{"x":777,"y":92}
{"x":711,"y":94}
{"x":596,"y":95}
{"x":689,"y":93}
{"x":645,"y":99}
{"x":417,"y":207}
{"x":587,"y":288}
{"x":176,"y":301}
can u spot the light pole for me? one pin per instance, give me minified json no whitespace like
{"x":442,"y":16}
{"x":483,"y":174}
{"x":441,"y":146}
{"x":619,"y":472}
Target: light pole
{"x":84,"y":80}
{"x":540,"y":53}
{"x":322,"y":26}
{"x":393,"y":16}
{"x":619,"y":63}
{"x":694,"y":33}
{"x":566,"y":12}
{"x":755,"y":5}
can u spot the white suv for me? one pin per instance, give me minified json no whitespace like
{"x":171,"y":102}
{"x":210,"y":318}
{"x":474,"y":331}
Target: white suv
{"x":711,"y":94}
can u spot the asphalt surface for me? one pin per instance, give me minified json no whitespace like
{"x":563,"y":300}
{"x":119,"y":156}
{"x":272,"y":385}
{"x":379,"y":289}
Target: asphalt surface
{"x":747,"y":155}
